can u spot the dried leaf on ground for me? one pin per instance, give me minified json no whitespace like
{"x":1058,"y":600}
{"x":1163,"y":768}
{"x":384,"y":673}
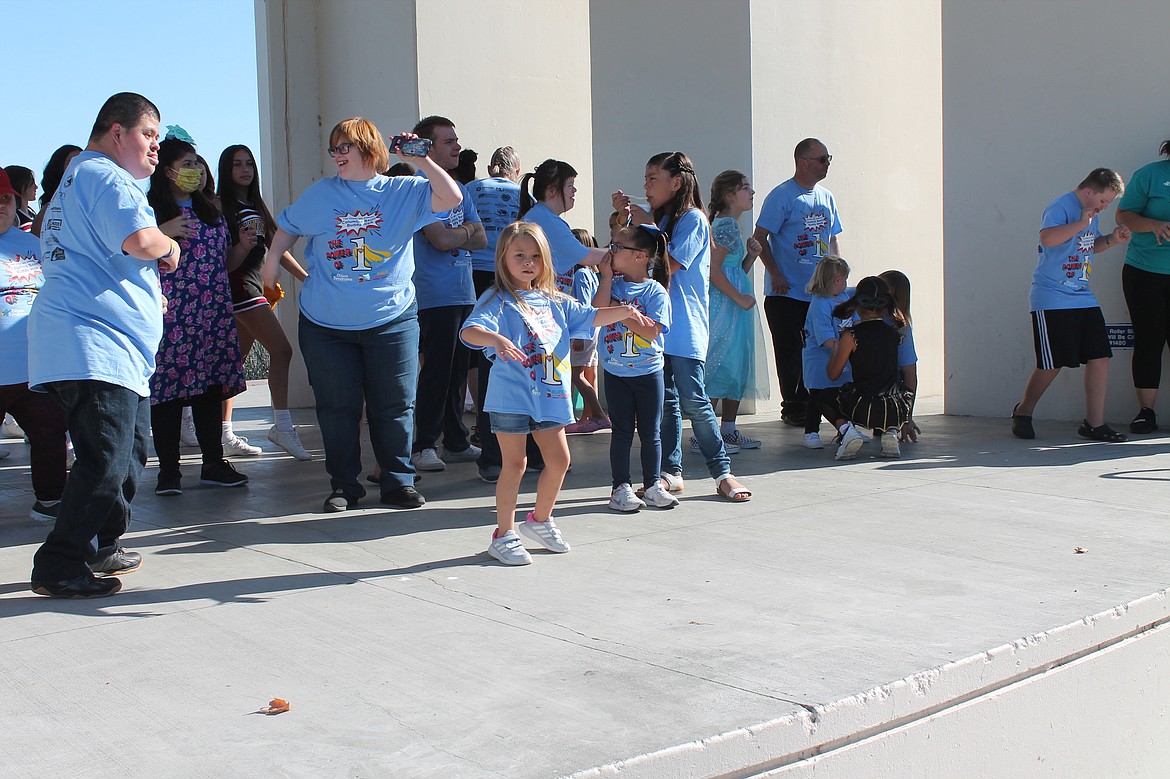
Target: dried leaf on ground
{"x":276,"y":706}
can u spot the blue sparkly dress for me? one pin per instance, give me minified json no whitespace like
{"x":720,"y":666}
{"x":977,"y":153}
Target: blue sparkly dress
{"x":735,"y":348}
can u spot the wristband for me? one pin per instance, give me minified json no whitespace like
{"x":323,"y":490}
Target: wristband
{"x":469,"y":230}
{"x":168,"y":254}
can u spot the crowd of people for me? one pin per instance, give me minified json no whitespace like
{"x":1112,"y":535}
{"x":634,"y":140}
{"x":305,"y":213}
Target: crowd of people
{"x":132,"y":314}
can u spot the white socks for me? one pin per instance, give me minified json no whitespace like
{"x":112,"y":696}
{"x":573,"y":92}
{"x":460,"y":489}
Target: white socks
{"x":727,"y":428}
{"x":227,"y":434}
{"x":283,"y":419}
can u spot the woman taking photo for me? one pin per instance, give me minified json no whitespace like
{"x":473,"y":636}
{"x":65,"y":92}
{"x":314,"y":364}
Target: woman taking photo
{"x":358,"y":327}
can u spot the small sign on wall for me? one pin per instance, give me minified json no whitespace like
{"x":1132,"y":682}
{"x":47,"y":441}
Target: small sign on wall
{"x":1120,"y":335}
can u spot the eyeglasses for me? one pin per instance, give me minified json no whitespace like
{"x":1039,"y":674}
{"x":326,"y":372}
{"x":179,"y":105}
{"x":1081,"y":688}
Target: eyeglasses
{"x":341,"y":148}
{"x":615,"y":246}
{"x":824,"y":159}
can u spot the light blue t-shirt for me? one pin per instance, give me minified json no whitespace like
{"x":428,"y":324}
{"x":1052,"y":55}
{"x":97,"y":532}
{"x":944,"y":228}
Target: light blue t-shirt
{"x":1061,"y":278}
{"x":498,"y":202}
{"x":567,"y":251}
{"x":800,"y":223}
{"x":360,"y":250}
{"x":690,"y":296}
{"x":906,"y":353}
{"x":584,"y":287}
{"x":444,"y":278}
{"x":624,"y":352}
{"x":820,"y":326}
{"x":20,"y":280}
{"x":98,"y":315}
{"x":541,"y":384}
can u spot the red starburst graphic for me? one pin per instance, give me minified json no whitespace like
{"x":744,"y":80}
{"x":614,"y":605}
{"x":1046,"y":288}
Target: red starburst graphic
{"x":358,"y":222}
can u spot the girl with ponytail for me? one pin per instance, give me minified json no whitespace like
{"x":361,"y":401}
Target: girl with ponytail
{"x":672,"y":191}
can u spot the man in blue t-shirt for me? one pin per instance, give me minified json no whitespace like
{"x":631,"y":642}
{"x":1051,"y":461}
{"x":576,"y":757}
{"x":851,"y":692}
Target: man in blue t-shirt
{"x":93,"y":333}
{"x":445,"y":292}
{"x":1068,"y":328}
{"x":798,"y":226}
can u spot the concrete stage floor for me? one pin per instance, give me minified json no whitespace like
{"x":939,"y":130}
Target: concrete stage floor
{"x":404,"y":651}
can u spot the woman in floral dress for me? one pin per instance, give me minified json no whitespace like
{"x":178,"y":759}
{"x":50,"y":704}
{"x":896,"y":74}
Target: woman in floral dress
{"x":198,"y":362}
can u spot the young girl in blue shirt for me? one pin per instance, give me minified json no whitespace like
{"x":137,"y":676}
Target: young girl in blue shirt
{"x":524,"y":325}
{"x":672,"y":190}
{"x":631,"y":355}
{"x":822,"y":330}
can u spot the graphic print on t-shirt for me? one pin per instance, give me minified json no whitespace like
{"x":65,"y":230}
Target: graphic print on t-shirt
{"x":351,"y":242}
{"x":815,"y":223}
{"x":1083,"y":256}
{"x":19,"y":273}
{"x":539,"y":348}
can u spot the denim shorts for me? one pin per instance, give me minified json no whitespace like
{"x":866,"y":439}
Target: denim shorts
{"x":518,"y":424}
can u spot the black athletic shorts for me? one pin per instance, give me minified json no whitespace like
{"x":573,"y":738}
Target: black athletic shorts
{"x":1069,"y":337}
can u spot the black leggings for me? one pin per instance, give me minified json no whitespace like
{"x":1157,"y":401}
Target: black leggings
{"x":207,"y":413}
{"x":1148,"y":297}
{"x":822,"y":402}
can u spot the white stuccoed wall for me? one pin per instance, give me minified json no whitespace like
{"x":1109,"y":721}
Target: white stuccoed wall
{"x":1036,"y":95}
{"x":865,"y":78}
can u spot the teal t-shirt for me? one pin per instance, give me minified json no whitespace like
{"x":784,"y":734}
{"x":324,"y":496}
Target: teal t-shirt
{"x":1148,"y":194}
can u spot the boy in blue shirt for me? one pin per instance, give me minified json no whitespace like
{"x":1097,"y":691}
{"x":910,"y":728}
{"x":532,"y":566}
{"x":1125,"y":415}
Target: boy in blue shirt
{"x":93,"y":333}
{"x":1068,"y":327}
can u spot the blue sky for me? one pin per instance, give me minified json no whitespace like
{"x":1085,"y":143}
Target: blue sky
{"x":73,"y":54}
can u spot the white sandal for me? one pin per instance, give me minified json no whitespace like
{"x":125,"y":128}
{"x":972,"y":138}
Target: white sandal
{"x":734,"y":494}
{"x":673,"y":482}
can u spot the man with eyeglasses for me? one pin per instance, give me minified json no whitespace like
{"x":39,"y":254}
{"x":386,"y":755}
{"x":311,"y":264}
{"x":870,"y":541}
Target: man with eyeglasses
{"x":798,"y":226}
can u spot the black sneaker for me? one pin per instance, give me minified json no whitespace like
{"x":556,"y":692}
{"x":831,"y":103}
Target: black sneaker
{"x":84,"y":586}
{"x":169,"y":483}
{"x":44,"y":512}
{"x":792,"y":419}
{"x":338,"y":501}
{"x":116,"y":563}
{"x":404,"y":498}
{"x":222,"y":475}
{"x":1022,"y":425}
{"x":487,"y":473}
{"x":1100,"y":433}
{"x":1145,"y":422}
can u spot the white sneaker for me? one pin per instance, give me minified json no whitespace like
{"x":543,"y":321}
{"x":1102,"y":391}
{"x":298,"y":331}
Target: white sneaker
{"x":544,"y":533}
{"x":851,"y":441}
{"x":428,"y":460}
{"x":468,"y":455}
{"x":813,"y":441}
{"x":238,"y":446}
{"x":187,"y":435}
{"x":657,"y":496}
{"x":890,"y":445}
{"x":289,"y":441}
{"x":508,"y":549}
{"x":624,"y":499}
{"x":10,"y":429}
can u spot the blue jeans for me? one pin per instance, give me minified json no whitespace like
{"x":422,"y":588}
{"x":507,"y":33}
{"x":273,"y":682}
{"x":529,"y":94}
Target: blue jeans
{"x":634,"y":400}
{"x":686,"y":395}
{"x":377,"y":367}
{"x":109,"y":425}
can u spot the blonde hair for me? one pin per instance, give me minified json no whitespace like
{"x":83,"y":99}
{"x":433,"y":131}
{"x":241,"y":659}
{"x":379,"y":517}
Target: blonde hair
{"x":365,"y":137}
{"x":823,"y":275}
{"x":900,"y":290}
{"x":505,"y":161}
{"x":545,"y":278}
